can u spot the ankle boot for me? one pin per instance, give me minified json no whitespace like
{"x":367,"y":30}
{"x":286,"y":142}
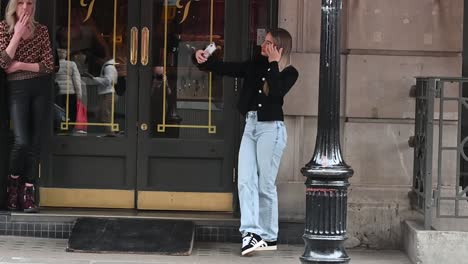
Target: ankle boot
{"x":13,"y":191}
{"x":28,"y":199}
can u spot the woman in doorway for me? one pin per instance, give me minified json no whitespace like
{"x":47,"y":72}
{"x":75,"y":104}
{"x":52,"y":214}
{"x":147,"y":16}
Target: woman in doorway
{"x":26,"y":56}
{"x":266,"y":82}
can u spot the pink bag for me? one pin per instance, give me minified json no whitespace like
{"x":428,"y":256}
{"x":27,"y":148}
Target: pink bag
{"x":81,"y":116}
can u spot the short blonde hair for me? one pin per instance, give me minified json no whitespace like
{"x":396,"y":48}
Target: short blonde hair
{"x":10,"y":15}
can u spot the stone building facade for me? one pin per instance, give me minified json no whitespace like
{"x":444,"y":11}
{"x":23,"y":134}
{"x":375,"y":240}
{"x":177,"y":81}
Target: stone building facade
{"x":385,"y":45}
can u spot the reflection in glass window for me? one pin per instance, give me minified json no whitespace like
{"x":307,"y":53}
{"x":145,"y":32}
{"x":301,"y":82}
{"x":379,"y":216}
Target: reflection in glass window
{"x":91,"y":79}
{"x":186,"y":102}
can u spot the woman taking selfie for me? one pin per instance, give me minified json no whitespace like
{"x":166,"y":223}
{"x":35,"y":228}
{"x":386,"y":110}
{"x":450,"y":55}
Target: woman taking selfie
{"x":266,"y":82}
{"x":26,"y":57}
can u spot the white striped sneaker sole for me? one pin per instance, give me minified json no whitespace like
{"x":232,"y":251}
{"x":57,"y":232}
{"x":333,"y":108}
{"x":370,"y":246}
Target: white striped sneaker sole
{"x":254,"y":248}
{"x":266,"y":248}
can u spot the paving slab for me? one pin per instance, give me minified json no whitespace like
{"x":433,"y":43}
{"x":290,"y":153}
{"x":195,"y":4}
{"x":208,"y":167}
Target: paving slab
{"x":27,"y":250}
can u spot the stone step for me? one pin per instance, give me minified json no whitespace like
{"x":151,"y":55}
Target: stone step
{"x":209,"y":227}
{"x":433,"y":246}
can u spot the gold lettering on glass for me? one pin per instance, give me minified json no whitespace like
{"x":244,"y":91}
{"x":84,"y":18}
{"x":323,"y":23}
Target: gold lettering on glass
{"x":186,"y":9}
{"x":178,"y":4}
{"x":90,"y":8}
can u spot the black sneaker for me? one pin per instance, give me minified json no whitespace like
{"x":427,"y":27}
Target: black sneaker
{"x":250,"y":242}
{"x":269,"y":245}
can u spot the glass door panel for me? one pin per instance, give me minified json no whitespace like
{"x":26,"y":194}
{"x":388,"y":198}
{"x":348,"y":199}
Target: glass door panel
{"x":258,"y":25}
{"x":185,"y":102}
{"x":90,"y":160}
{"x":185,"y":141}
{"x":91,"y":45}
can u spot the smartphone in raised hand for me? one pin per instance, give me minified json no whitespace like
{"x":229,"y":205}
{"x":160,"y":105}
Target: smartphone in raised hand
{"x":210,"y":49}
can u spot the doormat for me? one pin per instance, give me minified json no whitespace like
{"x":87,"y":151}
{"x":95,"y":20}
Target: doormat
{"x":126,"y":235}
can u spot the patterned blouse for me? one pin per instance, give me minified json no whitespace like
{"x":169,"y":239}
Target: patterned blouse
{"x":36,"y":49}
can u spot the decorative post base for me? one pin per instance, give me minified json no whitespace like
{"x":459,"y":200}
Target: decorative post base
{"x":325,"y":229}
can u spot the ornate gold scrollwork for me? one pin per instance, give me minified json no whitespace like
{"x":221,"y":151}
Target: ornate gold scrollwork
{"x":178,"y":5}
{"x":186,"y":9}
{"x":90,"y":8}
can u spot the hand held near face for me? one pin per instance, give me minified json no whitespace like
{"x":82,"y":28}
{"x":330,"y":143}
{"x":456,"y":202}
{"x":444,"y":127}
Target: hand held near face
{"x":273,"y":53}
{"x":22,"y":26}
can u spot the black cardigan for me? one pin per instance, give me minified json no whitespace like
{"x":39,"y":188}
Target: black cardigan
{"x":255,"y":73}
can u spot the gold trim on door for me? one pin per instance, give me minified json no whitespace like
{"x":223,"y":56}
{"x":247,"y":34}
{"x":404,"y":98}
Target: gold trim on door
{"x":125,"y":199}
{"x":161,"y":128}
{"x":188,"y":201}
{"x":144,"y":46}
{"x":90,"y":198}
{"x":133,"y":46}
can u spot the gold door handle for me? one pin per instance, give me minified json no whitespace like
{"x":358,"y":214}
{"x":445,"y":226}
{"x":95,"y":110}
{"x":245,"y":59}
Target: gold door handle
{"x":133,"y":46}
{"x":144,"y":46}
{"x":144,"y":126}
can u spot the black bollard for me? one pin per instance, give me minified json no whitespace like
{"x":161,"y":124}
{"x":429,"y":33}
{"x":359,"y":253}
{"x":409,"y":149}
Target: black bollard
{"x":327,"y":173}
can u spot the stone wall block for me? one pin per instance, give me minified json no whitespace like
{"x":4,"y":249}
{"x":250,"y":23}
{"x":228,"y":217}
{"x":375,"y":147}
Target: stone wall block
{"x":302,"y":99}
{"x":379,"y":153}
{"x":302,"y":19}
{"x":302,"y":133}
{"x":379,"y":86}
{"x":288,"y":166}
{"x":288,"y":18}
{"x":416,"y":25}
{"x":311,"y":26}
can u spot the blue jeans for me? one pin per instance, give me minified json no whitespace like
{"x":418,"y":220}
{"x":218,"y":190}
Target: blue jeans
{"x":260,"y":154}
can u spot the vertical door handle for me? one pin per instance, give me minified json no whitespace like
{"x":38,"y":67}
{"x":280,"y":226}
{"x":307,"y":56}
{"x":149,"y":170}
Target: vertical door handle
{"x":134,"y":46}
{"x":144,"y":46}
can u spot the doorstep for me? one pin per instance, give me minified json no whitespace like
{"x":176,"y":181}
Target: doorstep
{"x":209,"y":226}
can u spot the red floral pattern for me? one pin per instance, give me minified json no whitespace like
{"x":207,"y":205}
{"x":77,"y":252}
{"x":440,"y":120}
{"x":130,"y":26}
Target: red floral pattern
{"x":36,"y":49}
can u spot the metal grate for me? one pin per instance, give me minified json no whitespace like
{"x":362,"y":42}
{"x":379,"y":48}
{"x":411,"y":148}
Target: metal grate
{"x":447,"y":192}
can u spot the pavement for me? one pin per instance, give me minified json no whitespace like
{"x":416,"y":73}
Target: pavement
{"x":28,"y":250}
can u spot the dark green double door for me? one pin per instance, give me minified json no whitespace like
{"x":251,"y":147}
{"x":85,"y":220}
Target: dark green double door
{"x":164,"y":136}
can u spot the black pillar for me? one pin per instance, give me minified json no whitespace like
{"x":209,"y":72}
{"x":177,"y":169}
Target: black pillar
{"x":327,"y":173}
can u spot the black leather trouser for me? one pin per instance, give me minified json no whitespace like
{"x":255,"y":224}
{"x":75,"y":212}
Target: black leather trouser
{"x":29,"y":106}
